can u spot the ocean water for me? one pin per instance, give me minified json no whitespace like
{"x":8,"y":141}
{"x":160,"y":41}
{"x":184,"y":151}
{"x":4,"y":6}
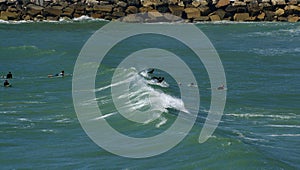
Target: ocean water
{"x":260,"y":127}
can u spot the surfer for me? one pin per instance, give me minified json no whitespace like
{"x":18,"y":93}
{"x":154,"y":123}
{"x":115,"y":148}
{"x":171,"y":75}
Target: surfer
{"x":192,"y":85}
{"x":61,"y":74}
{"x":9,"y":75}
{"x":221,"y":87}
{"x":158,"y":79}
{"x":6,"y":83}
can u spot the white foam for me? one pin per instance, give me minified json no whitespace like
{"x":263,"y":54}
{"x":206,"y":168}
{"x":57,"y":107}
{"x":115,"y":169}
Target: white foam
{"x":24,"y":119}
{"x":142,"y":97}
{"x":284,"y":135}
{"x":284,"y":126}
{"x":254,"y":115}
{"x":105,"y":116}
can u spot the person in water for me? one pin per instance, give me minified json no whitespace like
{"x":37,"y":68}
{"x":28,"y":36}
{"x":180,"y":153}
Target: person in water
{"x":221,"y":87}
{"x":61,"y":74}
{"x":9,"y":75}
{"x":6,"y":83}
{"x":158,"y":79}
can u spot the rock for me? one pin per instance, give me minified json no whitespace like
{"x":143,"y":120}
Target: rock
{"x":278,"y":2}
{"x":269,"y":15}
{"x":12,"y":9}
{"x":204,"y":10}
{"x":3,"y":1}
{"x":282,"y":19}
{"x":131,"y":10}
{"x":171,"y":18}
{"x":27,"y":17}
{"x":265,"y":1}
{"x":221,"y":13}
{"x":122,"y":4}
{"x":96,"y":15}
{"x":173,"y":2}
{"x":222,"y":3}
{"x":202,"y":18}
{"x":145,"y":9}
{"x":68,"y":12}
{"x":239,"y":3}
{"x":203,"y":2}
{"x":253,"y":9}
{"x":196,"y":3}
{"x":118,"y":14}
{"x":292,"y":8}
{"x":91,"y":1}
{"x":279,"y":12}
{"x":5,"y":15}
{"x":103,"y":8}
{"x":231,"y":8}
{"x":292,"y":18}
{"x":293,"y":2}
{"x":241,"y":10}
{"x":3,"y":7}
{"x":266,"y":6}
{"x":251,"y":19}
{"x":147,"y":3}
{"x":51,"y":18}
{"x":192,"y":12}
{"x":133,"y":2}
{"x":33,"y":10}
{"x":180,"y":4}
{"x":39,"y":18}
{"x":214,"y":17}
{"x":241,"y":16}
{"x":55,"y":10}
{"x":154,"y":14}
{"x":132,"y":18}
{"x":176,"y":10}
{"x":162,"y":8}
{"x":261,"y":16}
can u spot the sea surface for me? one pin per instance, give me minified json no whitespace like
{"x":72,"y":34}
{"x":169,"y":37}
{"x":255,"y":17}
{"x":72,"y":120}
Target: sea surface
{"x":259,"y":129}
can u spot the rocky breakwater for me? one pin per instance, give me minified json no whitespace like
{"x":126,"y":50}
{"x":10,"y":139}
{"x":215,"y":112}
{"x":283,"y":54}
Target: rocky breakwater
{"x":192,"y":11}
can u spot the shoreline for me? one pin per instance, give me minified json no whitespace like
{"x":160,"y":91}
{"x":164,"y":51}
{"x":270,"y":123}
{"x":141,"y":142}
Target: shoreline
{"x":155,"y":10}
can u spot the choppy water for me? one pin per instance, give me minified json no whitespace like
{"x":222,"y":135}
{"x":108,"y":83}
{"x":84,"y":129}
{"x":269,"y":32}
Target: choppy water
{"x":260,"y":128}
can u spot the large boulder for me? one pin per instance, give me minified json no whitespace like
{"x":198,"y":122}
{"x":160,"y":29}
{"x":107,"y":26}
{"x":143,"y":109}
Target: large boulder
{"x":292,"y":18}
{"x":54,"y":10}
{"x":132,"y":10}
{"x":3,"y":7}
{"x":222,"y":3}
{"x":5,"y":15}
{"x":278,"y":2}
{"x":221,"y":13}
{"x":253,"y":9}
{"x":215,"y":17}
{"x":176,"y":10}
{"x":241,"y":16}
{"x":261,"y":16}
{"x":33,"y":10}
{"x":68,"y":11}
{"x":192,"y":12}
{"x":204,"y":10}
{"x":279,"y":12}
{"x":132,"y":18}
{"x":103,"y":8}
{"x":134,"y":2}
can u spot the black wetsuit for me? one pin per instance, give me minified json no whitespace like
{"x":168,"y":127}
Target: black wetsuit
{"x":159,"y":79}
{"x":9,"y":76}
{"x":6,"y":83}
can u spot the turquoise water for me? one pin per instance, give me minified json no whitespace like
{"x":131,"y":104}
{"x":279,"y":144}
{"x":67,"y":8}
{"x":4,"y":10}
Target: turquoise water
{"x":260,"y":128}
